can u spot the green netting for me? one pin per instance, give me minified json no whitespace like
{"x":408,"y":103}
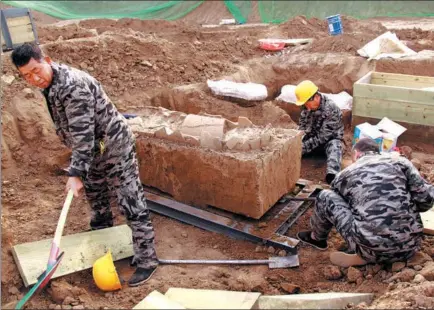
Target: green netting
{"x":239,"y":9}
{"x":280,"y":11}
{"x":269,"y":11}
{"x":169,"y":10}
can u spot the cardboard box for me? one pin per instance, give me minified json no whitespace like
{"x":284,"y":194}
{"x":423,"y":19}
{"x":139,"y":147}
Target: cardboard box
{"x":391,"y":131}
{"x":366,"y":130}
{"x":385,"y":133}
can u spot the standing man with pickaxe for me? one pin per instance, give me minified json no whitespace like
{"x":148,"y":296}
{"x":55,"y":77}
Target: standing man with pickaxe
{"x":103,"y":149}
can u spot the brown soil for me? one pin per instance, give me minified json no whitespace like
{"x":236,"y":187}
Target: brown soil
{"x":345,"y":43}
{"x":167,"y":64}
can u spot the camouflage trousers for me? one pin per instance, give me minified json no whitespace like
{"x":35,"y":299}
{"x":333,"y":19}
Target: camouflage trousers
{"x":333,"y":151}
{"x":332,"y":210}
{"x":115,"y":174}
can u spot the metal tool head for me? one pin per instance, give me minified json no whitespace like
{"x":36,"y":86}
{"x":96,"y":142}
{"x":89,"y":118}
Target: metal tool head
{"x":283,"y":262}
{"x":43,"y":280}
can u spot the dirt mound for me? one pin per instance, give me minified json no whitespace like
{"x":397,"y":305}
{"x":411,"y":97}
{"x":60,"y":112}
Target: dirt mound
{"x":406,"y":296}
{"x":198,"y":99}
{"x":345,"y":43}
{"x":144,"y":26}
{"x":414,"y":34}
{"x":330,"y":72}
{"x":353,"y":25}
{"x":301,"y":27}
{"x":132,"y":63}
{"x":406,"y":66}
{"x":51,"y":33}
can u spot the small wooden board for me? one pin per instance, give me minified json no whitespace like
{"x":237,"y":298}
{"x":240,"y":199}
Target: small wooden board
{"x":212,"y":299}
{"x":81,"y":251}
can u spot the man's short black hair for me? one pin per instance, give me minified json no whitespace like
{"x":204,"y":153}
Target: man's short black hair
{"x":366,"y":145}
{"x":23,"y":53}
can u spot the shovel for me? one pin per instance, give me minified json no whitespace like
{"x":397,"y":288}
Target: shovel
{"x":272,"y":262}
{"x":54,"y":257}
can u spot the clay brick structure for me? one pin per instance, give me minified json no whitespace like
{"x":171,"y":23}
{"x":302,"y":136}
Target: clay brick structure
{"x":208,"y":160}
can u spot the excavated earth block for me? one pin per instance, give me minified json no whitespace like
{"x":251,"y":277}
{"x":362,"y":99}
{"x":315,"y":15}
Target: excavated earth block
{"x":246,"y":171}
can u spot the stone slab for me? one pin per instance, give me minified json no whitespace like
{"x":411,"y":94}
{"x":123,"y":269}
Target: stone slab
{"x":313,"y":301}
{"x":212,"y":299}
{"x":156,"y":300}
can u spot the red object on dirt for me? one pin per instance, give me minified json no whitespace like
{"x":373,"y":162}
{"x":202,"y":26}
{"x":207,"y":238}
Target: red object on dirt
{"x":271,"y":46}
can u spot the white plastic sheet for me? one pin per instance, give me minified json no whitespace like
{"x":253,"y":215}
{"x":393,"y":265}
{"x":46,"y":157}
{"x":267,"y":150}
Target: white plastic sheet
{"x":385,"y":46}
{"x":343,"y":100}
{"x":246,"y":91}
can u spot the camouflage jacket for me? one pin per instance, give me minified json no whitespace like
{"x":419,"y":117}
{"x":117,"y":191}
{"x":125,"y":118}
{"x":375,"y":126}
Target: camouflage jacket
{"x":322,"y":125}
{"x":83,"y":116}
{"x":385,"y":194}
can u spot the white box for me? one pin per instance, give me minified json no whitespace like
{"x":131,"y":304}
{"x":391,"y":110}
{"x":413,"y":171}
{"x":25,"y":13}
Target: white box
{"x":391,"y":131}
{"x":385,"y":133}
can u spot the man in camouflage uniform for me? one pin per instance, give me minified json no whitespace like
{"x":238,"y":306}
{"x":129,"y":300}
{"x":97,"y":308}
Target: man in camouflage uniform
{"x":103,"y":149}
{"x":374,"y":204}
{"x":321,"y":121}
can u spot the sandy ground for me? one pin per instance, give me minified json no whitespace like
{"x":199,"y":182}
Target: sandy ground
{"x":143,"y":63}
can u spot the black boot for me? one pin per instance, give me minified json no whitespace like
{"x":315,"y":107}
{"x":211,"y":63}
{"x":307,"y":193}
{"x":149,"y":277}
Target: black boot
{"x":330,"y":177}
{"x":305,"y":237}
{"x":141,"y":275}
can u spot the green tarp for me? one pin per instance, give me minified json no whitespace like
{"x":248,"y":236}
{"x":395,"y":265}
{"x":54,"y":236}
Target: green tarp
{"x":269,"y":11}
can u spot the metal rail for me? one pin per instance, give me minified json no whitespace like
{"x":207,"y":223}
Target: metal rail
{"x":234,"y":227}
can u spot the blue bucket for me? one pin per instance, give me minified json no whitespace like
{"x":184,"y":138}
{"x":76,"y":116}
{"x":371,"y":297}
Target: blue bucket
{"x":335,"y":25}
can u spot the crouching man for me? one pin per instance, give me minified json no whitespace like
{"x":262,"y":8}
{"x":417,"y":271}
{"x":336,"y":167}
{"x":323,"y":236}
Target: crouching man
{"x":321,"y":121}
{"x":374,"y":204}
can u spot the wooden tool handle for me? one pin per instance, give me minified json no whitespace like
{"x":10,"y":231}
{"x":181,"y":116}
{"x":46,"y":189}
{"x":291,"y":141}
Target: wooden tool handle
{"x":62,"y":218}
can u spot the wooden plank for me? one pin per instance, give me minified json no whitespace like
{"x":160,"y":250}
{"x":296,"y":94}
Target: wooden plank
{"x":401,"y":83}
{"x":313,"y":301}
{"x":399,"y":94}
{"x":21,"y":34}
{"x":366,"y":79}
{"x":156,"y":300}
{"x":410,"y":112}
{"x":212,"y":299}
{"x":403,"y":77}
{"x":81,"y":251}
{"x":18,"y":21}
{"x":428,"y":221}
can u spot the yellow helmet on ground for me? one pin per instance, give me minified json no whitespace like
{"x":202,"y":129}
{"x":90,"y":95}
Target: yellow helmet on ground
{"x":304,"y":91}
{"x":104,"y":273}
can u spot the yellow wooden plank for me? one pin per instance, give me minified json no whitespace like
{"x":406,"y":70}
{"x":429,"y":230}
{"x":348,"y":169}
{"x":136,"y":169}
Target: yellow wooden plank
{"x":21,"y":34}
{"x":428,"y":221}
{"x":400,"y":94}
{"x":81,"y":251}
{"x":410,"y":112}
{"x":156,"y":300}
{"x":212,"y":299}
{"x":402,"y":77}
{"x":401,"y":83}
{"x":18,"y":21}
{"x":366,"y":79}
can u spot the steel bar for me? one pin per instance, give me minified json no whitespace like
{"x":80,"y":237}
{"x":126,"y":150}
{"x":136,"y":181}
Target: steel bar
{"x":213,"y":222}
{"x":301,"y":207}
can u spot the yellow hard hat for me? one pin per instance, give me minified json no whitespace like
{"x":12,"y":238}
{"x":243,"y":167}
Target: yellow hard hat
{"x":104,"y":273}
{"x":304,"y":91}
